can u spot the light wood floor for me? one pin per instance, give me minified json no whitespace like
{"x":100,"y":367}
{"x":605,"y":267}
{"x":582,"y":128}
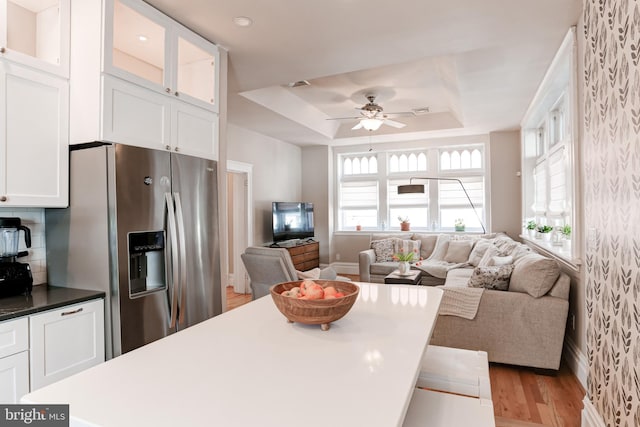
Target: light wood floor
{"x":521,"y":397}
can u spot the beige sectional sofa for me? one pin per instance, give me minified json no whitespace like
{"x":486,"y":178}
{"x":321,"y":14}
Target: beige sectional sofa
{"x":523,"y":325}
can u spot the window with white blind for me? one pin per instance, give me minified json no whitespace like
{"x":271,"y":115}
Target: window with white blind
{"x":549,"y":153}
{"x":368,"y":189}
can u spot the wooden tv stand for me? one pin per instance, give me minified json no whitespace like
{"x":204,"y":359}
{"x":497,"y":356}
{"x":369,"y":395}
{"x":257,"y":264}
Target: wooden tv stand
{"x":305,"y":256}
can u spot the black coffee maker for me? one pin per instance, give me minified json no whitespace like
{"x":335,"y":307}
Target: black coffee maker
{"x":15,"y":277}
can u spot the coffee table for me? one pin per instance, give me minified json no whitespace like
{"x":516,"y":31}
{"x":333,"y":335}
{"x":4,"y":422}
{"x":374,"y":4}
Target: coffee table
{"x":411,"y":278}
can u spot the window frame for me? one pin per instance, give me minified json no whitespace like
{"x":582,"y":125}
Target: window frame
{"x":432,"y":151}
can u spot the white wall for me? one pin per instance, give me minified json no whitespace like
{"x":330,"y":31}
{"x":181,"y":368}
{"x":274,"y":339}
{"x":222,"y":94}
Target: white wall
{"x":277,"y":173}
{"x":316,"y":188}
{"x":505,"y":184}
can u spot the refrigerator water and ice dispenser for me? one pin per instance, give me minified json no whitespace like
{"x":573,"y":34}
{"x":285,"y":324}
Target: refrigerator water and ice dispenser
{"x":146,"y":262}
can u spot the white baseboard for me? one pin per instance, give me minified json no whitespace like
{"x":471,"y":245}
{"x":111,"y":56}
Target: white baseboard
{"x":590,"y":416}
{"x":577,"y":361}
{"x":346,"y":267}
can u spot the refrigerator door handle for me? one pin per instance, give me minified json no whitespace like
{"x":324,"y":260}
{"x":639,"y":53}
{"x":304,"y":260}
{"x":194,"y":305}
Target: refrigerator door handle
{"x":173,"y":238}
{"x":183,"y":258}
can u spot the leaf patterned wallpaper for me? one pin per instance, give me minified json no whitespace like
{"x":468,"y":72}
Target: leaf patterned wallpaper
{"x":611,"y":154}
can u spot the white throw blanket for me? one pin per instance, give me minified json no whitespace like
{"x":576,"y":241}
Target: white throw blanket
{"x":435,"y":265}
{"x":461,"y":302}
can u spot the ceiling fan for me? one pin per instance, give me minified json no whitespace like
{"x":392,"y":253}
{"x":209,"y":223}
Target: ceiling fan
{"x":372,"y":116}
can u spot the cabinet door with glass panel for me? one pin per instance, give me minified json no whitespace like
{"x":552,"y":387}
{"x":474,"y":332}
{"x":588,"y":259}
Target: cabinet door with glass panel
{"x":36,"y":33}
{"x":146,"y":47}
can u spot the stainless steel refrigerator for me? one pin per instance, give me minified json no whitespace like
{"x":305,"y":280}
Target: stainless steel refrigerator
{"x":142,"y":225}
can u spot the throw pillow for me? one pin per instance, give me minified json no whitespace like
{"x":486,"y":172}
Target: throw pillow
{"x":534,"y":274}
{"x":494,"y":277}
{"x":501,"y":260}
{"x":458,"y":251}
{"x":406,"y":246}
{"x":478,"y":251}
{"x":384,"y":249}
{"x":427,"y":243}
{"x":487,"y":258}
{"x":440,"y":249}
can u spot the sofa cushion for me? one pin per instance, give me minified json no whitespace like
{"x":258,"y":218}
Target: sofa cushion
{"x":501,"y":260}
{"x":534,"y":274}
{"x":458,"y":277}
{"x":427,"y":243}
{"x":384,"y":249}
{"x":479,"y":250}
{"x":458,"y":251}
{"x":383,"y":268}
{"x":492,"y":277}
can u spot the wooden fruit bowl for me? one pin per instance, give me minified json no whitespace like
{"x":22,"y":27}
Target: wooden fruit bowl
{"x":315,"y":312}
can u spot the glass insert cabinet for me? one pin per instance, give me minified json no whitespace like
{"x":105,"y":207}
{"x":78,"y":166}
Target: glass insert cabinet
{"x":35,"y":33}
{"x":144,"y":46}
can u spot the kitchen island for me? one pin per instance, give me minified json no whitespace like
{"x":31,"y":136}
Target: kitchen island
{"x":249,"y":367}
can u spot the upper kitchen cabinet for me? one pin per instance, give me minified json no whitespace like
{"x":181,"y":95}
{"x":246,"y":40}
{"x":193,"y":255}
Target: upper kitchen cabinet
{"x":34,"y":139}
{"x":146,"y":47}
{"x":36,"y":33}
{"x":140,"y":78}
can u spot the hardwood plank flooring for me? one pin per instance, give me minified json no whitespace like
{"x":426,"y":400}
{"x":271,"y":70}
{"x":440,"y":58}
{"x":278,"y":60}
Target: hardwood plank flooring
{"x":521,"y":396}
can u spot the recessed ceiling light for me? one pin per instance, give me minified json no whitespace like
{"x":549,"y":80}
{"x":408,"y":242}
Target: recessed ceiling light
{"x":143,"y":38}
{"x":242,"y":21}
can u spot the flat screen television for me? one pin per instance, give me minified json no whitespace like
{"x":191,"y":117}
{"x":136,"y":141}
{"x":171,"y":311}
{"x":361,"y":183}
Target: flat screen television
{"x":292,"y":220}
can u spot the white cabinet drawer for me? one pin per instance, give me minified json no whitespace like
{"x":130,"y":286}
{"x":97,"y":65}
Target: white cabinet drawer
{"x":65,"y":341}
{"x":14,"y":336}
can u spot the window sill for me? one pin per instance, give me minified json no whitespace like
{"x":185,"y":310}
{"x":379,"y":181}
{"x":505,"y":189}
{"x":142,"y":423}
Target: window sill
{"x":559,"y":253}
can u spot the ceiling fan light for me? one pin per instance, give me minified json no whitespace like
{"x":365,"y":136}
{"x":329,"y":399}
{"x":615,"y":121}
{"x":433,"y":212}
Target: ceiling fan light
{"x":371,"y":124}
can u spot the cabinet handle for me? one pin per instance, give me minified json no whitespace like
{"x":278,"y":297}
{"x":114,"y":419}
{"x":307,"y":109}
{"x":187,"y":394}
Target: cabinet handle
{"x":168,"y":90}
{"x":168,"y":147}
{"x":177,"y":149}
{"x":67,"y":313}
{"x":3,"y":198}
{"x":177,"y":94}
{"x":3,"y":49}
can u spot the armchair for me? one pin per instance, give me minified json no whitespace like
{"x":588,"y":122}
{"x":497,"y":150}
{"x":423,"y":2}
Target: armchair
{"x":269,"y":266}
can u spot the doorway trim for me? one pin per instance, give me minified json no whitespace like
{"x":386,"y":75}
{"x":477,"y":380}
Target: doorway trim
{"x":247,"y":169}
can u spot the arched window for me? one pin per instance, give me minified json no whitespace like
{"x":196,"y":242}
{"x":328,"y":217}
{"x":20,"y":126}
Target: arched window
{"x":373,"y":165}
{"x":393,"y":163}
{"x":413,"y":162}
{"x":364,"y":165}
{"x":445,"y":161}
{"x":347,"y":168}
{"x":403,"y":166}
{"x":476,"y":159}
{"x":455,"y":160}
{"x":356,"y":166}
{"x":422,"y":162}
{"x":465,"y":160}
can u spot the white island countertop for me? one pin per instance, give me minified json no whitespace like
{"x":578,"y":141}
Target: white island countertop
{"x":249,"y":367}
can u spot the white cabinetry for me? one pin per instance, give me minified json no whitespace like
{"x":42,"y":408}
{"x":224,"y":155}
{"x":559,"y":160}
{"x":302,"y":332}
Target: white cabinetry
{"x":14,"y":360}
{"x":34,"y":142}
{"x":36,"y":33}
{"x":65,"y":341}
{"x":141,"y":78}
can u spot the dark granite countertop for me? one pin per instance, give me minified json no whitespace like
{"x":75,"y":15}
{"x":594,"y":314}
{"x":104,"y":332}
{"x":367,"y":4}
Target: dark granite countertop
{"x":44,"y":297}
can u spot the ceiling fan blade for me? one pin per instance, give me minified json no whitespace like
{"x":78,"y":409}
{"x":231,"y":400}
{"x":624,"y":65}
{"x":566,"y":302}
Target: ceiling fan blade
{"x":344,"y":118}
{"x":358,"y":126}
{"x":394,"y":124}
{"x":401,"y":113}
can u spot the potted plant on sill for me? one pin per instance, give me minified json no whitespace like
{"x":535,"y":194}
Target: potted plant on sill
{"x":405,"y":225}
{"x":531,"y":228}
{"x":459,"y":224}
{"x":544,"y":232}
{"x":566,"y":235}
